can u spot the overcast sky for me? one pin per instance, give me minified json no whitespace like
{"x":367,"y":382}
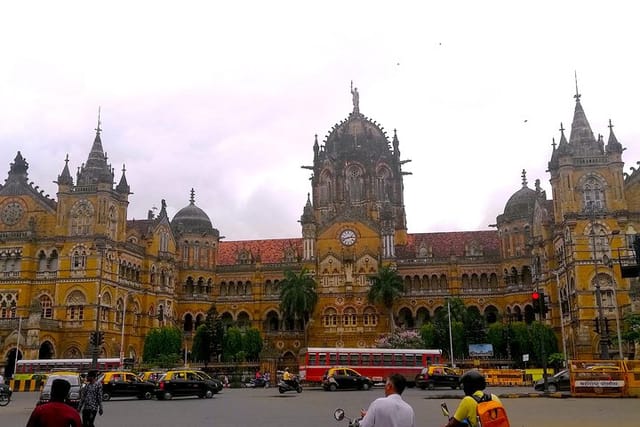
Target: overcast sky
{"x":226,"y":97}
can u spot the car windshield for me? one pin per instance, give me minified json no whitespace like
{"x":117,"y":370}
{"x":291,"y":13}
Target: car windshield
{"x":204,"y":375}
{"x":559,"y":374}
{"x":72,"y":379}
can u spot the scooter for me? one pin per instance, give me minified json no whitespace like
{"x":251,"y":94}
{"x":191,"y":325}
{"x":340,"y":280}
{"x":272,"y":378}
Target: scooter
{"x":258,"y":383}
{"x":294,"y":385}
{"x":339,"y":416}
{"x":5,"y":395}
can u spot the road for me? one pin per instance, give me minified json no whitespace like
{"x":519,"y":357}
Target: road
{"x":314,"y":408}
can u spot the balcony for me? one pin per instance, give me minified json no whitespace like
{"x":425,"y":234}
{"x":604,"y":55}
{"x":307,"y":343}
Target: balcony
{"x":46,"y":274}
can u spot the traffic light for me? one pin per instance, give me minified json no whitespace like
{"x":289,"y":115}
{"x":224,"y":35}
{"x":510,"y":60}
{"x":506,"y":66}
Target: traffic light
{"x":100,"y":339}
{"x":535,"y":298}
{"x":544,"y":304}
{"x":92,"y":339}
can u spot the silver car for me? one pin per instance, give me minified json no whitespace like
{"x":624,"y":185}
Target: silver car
{"x":73,"y":398}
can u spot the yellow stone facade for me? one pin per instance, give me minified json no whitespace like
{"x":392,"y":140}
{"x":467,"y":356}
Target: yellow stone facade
{"x":62,"y":258}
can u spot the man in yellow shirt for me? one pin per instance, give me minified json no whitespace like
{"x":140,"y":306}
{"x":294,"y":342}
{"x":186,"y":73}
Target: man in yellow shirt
{"x":472,"y":382}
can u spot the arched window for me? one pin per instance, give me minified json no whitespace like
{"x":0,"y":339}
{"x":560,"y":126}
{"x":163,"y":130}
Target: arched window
{"x":330,"y":317}
{"x":382,"y":184}
{"x":75,"y":305}
{"x":355,"y":184}
{"x":593,"y":193}
{"x":79,"y":259}
{"x":349,"y":317}
{"x":46,"y":306}
{"x":81,"y":215}
{"x":370,"y":317}
{"x":325,"y":188}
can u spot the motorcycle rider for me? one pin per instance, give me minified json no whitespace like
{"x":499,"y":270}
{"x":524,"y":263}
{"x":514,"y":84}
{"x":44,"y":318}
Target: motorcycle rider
{"x":472,"y":382}
{"x":289,"y":378}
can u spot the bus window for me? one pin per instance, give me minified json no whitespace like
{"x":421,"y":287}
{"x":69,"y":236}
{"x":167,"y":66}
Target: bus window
{"x":410,"y":359}
{"x":332,"y":358}
{"x":354,"y":359}
{"x":313,"y":359}
{"x":387,"y":359}
{"x":365,"y":359}
{"x":418,"y":361}
{"x":343,"y":358}
{"x":377,"y":360}
{"x":397,"y":360}
{"x":322,"y":359}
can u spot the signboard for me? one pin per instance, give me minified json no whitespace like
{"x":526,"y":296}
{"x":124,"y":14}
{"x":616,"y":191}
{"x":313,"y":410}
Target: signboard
{"x":599,"y":383}
{"x":480,"y":350}
{"x":525,"y":357}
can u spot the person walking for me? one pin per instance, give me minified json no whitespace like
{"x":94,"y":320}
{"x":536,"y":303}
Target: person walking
{"x":55,"y":413}
{"x":391,"y":410}
{"x":91,"y":400}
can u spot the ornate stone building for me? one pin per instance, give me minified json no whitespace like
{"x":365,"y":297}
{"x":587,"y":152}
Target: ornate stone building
{"x":74,"y":263}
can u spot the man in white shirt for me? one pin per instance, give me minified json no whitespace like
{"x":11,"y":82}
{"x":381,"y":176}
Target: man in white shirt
{"x":391,"y":410}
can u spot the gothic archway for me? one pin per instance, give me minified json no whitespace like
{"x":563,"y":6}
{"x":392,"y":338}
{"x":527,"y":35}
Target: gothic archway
{"x":46,"y":350}
{"x":9,"y":366}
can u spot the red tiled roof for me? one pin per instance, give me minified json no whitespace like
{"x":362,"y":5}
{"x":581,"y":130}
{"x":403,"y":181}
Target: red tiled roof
{"x":268,"y":251}
{"x":445,"y":244}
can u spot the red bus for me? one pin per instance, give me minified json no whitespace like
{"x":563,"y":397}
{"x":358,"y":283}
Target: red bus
{"x":375,"y":363}
{"x":35,"y":366}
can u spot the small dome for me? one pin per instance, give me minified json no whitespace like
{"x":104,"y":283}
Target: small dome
{"x":521,"y":204}
{"x":192,"y":219}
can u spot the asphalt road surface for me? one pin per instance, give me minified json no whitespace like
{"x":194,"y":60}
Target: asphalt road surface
{"x":314,"y":408}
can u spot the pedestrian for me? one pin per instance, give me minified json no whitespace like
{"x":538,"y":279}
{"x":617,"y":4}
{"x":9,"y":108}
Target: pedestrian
{"x":391,"y":410}
{"x":467,"y":414}
{"x":1,"y":379}
{"x":55,"y":413}
{"x":90,"y":400}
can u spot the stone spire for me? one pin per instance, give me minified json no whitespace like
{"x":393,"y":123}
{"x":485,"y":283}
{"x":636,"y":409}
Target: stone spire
{"x":123,"y":186}
{"x":18,"y":169}
{"x":192,"y":199}
{"x":581,"y":132}
{"x":307,"y":213}
{"x":613,"y":146}
{"x":524,"y":178}
{"x":96,"y":170}
{"x":396,"y":144}
{"x":65,"y":177}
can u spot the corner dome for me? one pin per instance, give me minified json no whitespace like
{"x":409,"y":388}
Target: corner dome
{"x":521,"y":204}
{"x":192,"y":219}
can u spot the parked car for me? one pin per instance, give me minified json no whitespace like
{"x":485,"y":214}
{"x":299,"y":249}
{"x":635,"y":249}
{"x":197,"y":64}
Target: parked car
{"x":557,"y":382}
{"x":73,"y":398}
{"x":187,"y":383}
{"x":343,"y":378}
{"x":125,"y":384}
{"x":437,"y":376}
{"x":151,"y":376}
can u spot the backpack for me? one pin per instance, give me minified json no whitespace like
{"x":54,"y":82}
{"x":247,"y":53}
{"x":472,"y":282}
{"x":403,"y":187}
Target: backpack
{"x":490,"y":412}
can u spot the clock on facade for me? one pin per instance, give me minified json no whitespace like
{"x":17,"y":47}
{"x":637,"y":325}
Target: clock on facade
{"x":348,"y":237}
{"x":12,"y":213}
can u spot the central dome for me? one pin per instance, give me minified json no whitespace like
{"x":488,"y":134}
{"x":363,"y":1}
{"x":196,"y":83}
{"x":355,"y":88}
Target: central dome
{"x":192,"y":219}
{"x":356,"y":132}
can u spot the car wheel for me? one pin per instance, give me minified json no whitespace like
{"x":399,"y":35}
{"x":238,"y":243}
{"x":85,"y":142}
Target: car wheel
{"x":106,"y":396}
{"x":208,"y":394}
{"x":167,"y":395}
{"x":333,"y":387}
{"x":299,"y":389}
{"x":431,"y":385}
{"x":281,"y":390}
{"x":552,"y":388}
{"x":148,"y":395}
{"x":366,"y":386}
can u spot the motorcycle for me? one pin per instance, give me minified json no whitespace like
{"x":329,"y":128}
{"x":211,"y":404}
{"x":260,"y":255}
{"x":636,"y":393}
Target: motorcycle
{"x":258,"y":383}
{"x":293,"y":385}
{"x":339,"y":416}
{"x":5,"y":395}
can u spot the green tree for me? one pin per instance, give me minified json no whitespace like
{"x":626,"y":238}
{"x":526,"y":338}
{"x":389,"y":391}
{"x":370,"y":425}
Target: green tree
{"x":233,"y":345}
{"x":298,"y":297}
{"x":201,"y":347}
{"x":162,"y":344}
{"x":252,"y":344}
{"x":386,"y":288}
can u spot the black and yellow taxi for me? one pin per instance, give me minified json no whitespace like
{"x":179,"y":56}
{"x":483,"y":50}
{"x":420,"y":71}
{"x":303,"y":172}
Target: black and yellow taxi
{"x":125,"y":384}
{"x":344,"y":378}
{"x":186,"y":382}
{"x":437,"y":376}
{"x":151,"y":376}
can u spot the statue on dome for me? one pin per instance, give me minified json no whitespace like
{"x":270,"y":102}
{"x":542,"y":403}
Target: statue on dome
{"x":356,"y":98}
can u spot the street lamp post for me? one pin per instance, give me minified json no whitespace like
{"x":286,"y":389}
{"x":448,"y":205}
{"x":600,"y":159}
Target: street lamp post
{"x":100,"y":246}
{"x":564,"y":337}
{"x":124,"y":319}
{"x":604,"y":336}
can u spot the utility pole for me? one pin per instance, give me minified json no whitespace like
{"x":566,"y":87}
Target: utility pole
{"x":604,"y":334}
{"x":100,"y":247}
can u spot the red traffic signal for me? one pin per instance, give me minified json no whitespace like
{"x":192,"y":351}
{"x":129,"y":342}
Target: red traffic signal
{"x":535,"y":296}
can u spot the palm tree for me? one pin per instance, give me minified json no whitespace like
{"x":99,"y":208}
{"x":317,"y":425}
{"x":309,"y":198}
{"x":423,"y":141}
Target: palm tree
{"x":298,"y":297}
{"x":386,"y":287}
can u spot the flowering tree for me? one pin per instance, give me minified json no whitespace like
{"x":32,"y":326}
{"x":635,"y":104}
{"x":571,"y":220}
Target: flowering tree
{"x":400,"y":339}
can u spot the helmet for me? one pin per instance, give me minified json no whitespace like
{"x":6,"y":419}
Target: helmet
{"x":472,"y":381}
